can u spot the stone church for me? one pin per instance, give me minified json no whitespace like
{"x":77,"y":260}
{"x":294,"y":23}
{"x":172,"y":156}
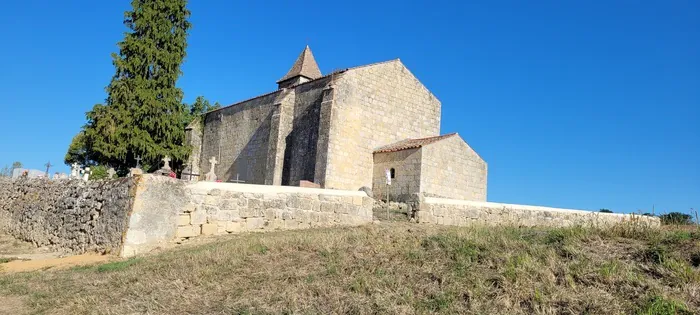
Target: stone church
{"x":353,"y":128}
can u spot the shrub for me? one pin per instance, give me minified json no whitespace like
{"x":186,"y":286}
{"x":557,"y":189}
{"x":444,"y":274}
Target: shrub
{"x":676,"y":218}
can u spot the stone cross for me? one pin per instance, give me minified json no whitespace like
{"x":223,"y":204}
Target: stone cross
{"x":138,"y":161}
{"x":111,"y":172}
{"x":86,"y":174}
{"x":48,"y":166}
{"x":166,"y":161}
{"x":211,"y":176}
{"x":74,"y":170}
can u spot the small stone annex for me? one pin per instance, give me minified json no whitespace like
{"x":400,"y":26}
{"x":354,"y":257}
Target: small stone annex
{"x":344,"y":130}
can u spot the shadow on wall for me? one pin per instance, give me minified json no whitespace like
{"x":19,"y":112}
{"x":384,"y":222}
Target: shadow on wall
{"x":250,"y":164}
{"x":300,"y":151}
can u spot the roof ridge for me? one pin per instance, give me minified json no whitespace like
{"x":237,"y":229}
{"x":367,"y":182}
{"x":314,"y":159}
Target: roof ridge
{"x":245,"y":100}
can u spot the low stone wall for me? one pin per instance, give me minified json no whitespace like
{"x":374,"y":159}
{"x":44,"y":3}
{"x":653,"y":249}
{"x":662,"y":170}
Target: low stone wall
{"x":66,"y":214}
{"x":131,"y":216}
{"x":465,"y":213}
{"x":222,"y":208}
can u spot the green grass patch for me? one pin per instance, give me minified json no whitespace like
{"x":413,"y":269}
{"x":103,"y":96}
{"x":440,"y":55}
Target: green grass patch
{"x":658,"y":305}
{"x":118,"y":265}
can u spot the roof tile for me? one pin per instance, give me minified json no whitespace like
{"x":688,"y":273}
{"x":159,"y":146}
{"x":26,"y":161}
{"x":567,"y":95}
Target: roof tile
{"x":411,"y":143}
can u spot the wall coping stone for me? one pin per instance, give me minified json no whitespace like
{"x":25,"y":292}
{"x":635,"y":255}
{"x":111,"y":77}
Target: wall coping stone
{"x":486,"y":204}
{"x":203,"y":187}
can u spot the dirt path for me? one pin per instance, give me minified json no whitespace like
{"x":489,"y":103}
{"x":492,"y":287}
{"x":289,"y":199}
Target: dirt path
{"x":53,"y":263}
{"x":19,"y":256}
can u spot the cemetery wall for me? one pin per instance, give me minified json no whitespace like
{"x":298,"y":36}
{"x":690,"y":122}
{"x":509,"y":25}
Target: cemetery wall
{"x":69,"y":215}
{"x":466,"y":213}
{"x":223,"y":208}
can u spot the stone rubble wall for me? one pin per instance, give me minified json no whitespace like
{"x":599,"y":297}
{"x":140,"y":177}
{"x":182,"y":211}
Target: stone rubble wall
{"x":223,"y":208}
{"x":466,"y":213}
{"x":68,"y":215}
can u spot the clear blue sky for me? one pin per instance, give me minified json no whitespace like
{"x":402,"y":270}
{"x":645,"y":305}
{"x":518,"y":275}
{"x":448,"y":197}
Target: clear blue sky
{"x":581,"y":104}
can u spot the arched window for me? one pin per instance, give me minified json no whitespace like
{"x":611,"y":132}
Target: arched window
{"x":392,"y":171}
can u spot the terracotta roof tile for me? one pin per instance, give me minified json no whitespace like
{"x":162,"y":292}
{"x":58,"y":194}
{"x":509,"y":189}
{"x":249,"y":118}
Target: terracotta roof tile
{"x":411,"y":143}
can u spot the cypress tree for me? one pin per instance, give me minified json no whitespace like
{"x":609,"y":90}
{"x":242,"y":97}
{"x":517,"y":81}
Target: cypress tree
{"x":143,"y":114}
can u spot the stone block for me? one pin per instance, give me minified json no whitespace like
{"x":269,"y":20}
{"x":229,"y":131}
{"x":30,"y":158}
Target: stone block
{"x":232,"y":195}
{"x":251,"y":212}
{"x":254,"y":223}
{"x":274,"y":204}
{"x":228,"y":204}
{"x":211,"y":210}
{"x":187,"y":231}
{"x":235,"y":227}
{"x":255,"y":204}
{"x":357,"y":200}
{"x":275,"y":224}
{"x":212,"y":200}
{"x":328,"y":207}
{"x":209,"y":229}
{"x":183,"y":219}
{"x":198,"y":217}
{"x":227,"y":215}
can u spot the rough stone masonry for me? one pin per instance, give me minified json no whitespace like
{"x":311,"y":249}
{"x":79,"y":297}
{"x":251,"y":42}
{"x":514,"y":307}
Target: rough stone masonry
{"x":133,"y":215}
{"x":66,"y":214}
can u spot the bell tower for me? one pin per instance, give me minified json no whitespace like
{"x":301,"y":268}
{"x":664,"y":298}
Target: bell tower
{"x":304,"y":69}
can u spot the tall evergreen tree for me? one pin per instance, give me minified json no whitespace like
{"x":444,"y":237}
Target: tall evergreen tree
{"x":143,"y":112}
{"x":200,"y":106}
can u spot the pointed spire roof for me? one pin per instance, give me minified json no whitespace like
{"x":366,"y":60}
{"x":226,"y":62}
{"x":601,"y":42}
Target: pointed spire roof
{"x":304,"y":66}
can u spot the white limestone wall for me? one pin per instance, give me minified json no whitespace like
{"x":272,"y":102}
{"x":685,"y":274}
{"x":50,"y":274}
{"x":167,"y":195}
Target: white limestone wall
{"x":223,"y":208}
{"x":465,"y":213}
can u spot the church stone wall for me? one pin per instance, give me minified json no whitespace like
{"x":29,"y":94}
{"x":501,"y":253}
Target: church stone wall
{"x":301,"y":144}
{"x":238,"y":137}
{"x":407,"y":171}
{"x":374,"y":105}
{"x":452,"y":169}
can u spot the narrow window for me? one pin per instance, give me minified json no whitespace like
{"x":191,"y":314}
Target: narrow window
{"x":393,"y":173}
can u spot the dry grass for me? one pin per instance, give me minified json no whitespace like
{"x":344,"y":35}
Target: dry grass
{"x":388,"y":268}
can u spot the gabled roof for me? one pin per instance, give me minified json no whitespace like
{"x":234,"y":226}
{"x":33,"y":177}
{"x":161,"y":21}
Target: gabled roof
{"x":304,"y":66}
{"x":411,"y":143}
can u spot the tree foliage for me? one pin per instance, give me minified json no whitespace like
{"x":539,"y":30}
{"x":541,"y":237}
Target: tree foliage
{"x":98,"y":172}
{"x":5,"y":171}
{"x":199,"y":107}
{"x":143,"y":114}
{"x":676,"y":218}
{"x":605,"y":211}
{"x":77,"y":151}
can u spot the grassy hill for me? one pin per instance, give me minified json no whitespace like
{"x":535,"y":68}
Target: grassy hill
{"x":387,"y":268}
